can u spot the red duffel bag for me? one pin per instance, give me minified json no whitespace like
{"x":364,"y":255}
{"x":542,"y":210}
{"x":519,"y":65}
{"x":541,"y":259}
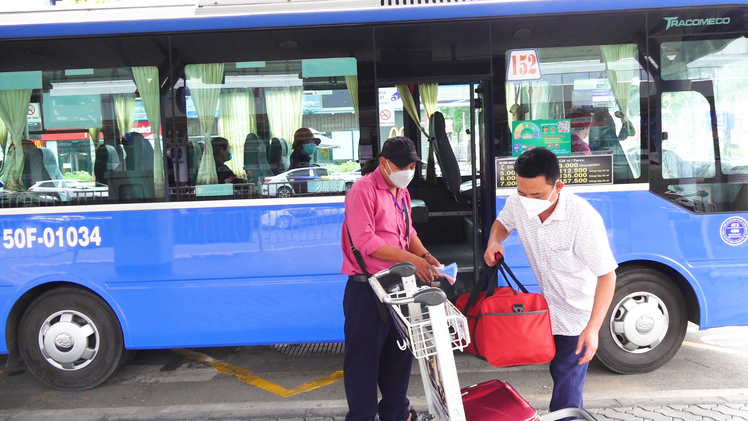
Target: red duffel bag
{"x":507,"y":326}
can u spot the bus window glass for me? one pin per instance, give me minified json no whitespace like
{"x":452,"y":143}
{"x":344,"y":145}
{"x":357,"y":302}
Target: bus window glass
{"x":724,"y":64}
{"x":688,"y":150}
{"x":248,"y":123}
{"x":95,"y":132}
{"x":594,"y":88}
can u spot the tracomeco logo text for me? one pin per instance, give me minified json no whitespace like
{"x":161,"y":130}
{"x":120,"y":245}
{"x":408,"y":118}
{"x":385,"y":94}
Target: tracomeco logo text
{"x":675,"y":22}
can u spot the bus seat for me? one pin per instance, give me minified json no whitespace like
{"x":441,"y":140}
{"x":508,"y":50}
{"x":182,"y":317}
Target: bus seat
{"x":419,"y":211}
{"x":255,"y":159}
{"x":279,"y":156}
{"x":33,"y":165}
{"x":194,"y":156}
{"x":50,"y":164}
{"x":446,"y":158}
{"x":107,"y":159}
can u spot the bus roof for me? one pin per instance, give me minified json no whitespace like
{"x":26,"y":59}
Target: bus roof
{"x":172,"y":16}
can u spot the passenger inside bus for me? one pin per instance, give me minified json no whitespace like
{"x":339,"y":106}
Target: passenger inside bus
{"x":304,"y":146}
{"x":580,"y":130}
{"x":222,"y":154}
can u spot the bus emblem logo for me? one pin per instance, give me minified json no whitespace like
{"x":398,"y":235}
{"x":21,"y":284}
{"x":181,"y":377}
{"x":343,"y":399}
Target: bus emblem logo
{"x":734,"y":231}
{"x":64,"y":341}
{"x":674,"y":22}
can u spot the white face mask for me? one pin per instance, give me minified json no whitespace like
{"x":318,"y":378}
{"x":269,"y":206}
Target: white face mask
{"x":535,"y":207}
{"x":400,"y":179}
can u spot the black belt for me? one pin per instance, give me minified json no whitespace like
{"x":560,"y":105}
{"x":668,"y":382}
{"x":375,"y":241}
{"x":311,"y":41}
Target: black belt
{"x":358,"y":278}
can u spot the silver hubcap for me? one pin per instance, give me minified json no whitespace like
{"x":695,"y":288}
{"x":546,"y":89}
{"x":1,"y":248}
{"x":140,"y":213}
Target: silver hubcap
{"x":69,"y":340}
{"x":639,"y":322}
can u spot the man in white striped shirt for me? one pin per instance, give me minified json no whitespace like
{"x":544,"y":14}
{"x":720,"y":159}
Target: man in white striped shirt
{"x":567,"y":246}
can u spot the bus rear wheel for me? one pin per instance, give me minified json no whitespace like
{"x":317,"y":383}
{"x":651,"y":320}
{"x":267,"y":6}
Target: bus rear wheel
{"x":646,"y":323}
{"x":70,"y":339}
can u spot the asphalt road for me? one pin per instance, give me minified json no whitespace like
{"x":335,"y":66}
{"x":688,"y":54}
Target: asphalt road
{"x":711,"y":363}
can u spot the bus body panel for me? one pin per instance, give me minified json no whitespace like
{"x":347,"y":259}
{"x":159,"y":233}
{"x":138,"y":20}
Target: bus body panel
{"x":136,"y":21}
{"x":713,"y":268}
{"x":163,"y":271}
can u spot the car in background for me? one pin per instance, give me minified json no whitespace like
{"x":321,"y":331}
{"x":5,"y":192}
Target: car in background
{"x":68,"y":190}
{"x":300,"y":181}
{"x":349,"y":177}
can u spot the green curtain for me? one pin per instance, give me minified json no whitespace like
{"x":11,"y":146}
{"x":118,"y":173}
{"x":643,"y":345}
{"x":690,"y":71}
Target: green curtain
{"x":3,"y":134}
{"x":14,"y":105}
{"x":620,"y":73}
{"x":94,"y":133}
{"x":147,"y":81}
{"x":237,"y":119}
{"x":284,"y":108}
{"x":124,"y":109}
{"x":429,"y":93}
{"x":352,"y":83}
{"x":204,"y":82}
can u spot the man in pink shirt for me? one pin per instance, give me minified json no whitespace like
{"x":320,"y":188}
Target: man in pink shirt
{"x":378,"y":225}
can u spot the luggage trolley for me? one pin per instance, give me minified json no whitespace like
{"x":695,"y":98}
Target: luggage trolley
{"x":433,"y":328}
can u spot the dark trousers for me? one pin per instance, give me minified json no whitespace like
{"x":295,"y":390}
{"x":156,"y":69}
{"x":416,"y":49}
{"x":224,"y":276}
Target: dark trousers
{"x":568,"y":375}
{"x":373,"y":358}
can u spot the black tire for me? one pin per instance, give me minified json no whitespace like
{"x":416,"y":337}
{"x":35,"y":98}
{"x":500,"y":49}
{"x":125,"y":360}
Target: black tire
{"x":78,"y":318}
{"x":284,"y":191}
{"x":646,"y":322}
{"x":348,"y":185}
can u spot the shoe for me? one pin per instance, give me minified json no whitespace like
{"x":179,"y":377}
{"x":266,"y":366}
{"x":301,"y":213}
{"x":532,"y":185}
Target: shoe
{"x":413,"y":415}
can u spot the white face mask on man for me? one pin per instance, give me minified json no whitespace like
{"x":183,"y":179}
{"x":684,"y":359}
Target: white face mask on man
{"x":535,"y":207}
{"x":400,"y":179}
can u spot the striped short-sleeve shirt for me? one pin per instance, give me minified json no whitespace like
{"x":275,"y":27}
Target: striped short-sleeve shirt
{"x":567,"y":253}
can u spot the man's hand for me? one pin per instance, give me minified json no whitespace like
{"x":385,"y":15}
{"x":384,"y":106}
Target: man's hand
{"x":490,"y":255}
{"x":425,"y":270}
{"x":432,"y":261}
{"x":588,"y":341}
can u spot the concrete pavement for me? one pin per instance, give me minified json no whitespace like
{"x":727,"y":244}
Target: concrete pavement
{"x":688,"y":405}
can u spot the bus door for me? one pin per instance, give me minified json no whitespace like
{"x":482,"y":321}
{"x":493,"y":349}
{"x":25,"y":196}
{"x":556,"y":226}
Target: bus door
{"x":445,"y":121}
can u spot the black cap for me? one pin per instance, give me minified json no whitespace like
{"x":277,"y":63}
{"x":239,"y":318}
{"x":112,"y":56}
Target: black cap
{"x":401,"y":151}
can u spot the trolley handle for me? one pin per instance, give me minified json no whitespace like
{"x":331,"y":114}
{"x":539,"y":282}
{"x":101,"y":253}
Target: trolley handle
{"x":429,"y":296}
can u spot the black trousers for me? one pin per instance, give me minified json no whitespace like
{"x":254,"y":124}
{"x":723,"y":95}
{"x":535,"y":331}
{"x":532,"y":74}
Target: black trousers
{"x":372,"y":358}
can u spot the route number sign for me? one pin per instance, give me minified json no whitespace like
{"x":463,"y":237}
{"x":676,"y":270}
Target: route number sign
{"x":523,"y":65}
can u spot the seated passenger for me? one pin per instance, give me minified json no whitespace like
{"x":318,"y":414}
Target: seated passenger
{"x":580,"y":129}
{"x":222,"y":154}
{"x":304,"y":145}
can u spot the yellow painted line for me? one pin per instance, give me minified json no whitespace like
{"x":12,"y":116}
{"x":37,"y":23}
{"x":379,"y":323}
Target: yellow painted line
{"x":246,"y":376}
{"x":716,"y":348}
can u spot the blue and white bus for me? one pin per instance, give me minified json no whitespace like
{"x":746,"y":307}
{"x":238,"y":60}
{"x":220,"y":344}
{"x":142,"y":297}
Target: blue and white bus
{"x":125,"y":227}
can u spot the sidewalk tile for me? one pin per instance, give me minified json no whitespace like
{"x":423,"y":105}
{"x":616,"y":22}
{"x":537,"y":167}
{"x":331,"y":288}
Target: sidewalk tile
{"x":704,"y":414}
{"x":614,"y":414}
{"x":734,"y":411}
{"x":676,"y":415}
{"x":649,"y":413}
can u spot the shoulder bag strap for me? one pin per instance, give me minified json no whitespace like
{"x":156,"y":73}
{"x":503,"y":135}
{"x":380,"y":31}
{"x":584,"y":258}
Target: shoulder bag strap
{"x":357,"y":254}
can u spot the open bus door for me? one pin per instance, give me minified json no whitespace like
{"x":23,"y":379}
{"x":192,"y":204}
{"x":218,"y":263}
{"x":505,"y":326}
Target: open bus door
{"x":447,"y":195}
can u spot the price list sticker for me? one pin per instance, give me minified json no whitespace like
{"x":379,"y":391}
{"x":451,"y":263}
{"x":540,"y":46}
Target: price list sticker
{"x":581,"y":169}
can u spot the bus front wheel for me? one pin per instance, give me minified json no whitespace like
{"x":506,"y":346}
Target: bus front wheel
{"x":70,"y":339}
{"x":646,"y":322}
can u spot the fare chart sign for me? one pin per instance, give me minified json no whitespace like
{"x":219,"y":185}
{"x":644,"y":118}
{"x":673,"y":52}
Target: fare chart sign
{"x":578,"y":169}
{"x":523,"y":65}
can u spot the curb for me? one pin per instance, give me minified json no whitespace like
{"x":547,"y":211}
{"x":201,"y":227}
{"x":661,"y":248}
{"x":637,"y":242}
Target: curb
{"x":289,"y":410}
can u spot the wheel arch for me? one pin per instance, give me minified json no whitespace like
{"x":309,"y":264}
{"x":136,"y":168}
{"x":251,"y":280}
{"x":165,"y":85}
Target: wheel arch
{"x":686,"y":287}
{"x":26,"y":298}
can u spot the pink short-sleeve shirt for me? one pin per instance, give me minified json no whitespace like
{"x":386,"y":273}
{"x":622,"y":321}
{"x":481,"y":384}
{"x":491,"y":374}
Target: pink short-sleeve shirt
{"x":374,"y":217}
